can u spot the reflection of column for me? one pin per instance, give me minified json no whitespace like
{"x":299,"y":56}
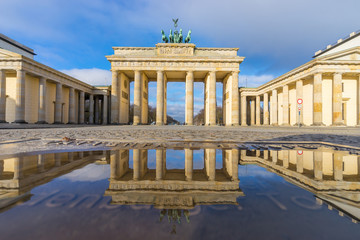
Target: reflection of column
{"x":318,"y":174}
{"x":137,"y":98}
{"x":57,"y":159}
{"x":2,"y":95}
{"x":113,"y":164}
{"x":285,"y":104}
{"x":58,"y":104}
{"x":91,"y":109}
{"x":160,"y":98}
{"x":159,"y":164}
{"x":188,"y":164}
{"x":189,"y":98}
{"x":81,"y":155}
{"x":105,"y":107}
{"x":41,"y":163}
{"x":274,"y":107}
{"x":1,"y":167}
{"x":285,"y":158}
{"x":230,"y":163}
{"x":212,"y":98}
{"x":136,"y":164}
{"x":70,"y":156}
{"x":252,"y":112}
{"x":42,"y":101}
{"x":115,"y":98}
{"x":20,"y":97}
{"x":82,"y":107}
{"x":243,"y":111}
{"x":71,"y":105}
{"x":242,"y":154}
{"x":18,"y":165}
{"x":337,"y":99}
{"x":338,"y":167}
{"x":266,"y":154}
{"x":299,"y":163}
{"x":266,"y":109}
{"x":258,"y":110}
{"x":317,"y":99}
{"x":210,"y":157}
{"x":274,"y":156}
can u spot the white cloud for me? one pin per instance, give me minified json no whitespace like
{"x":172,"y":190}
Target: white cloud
{"x":254,"y":80}
{"x":92,"y":76}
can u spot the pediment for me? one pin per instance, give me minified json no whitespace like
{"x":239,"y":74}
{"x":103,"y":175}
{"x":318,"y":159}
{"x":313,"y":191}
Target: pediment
{"x":7,"y":54}
{"x":347,"y":55}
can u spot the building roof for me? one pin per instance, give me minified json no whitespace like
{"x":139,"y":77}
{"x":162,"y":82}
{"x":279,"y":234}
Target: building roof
{"x":16,"y":44}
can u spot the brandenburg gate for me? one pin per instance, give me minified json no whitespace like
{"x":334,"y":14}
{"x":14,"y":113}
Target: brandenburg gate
{"x":174,"y":62}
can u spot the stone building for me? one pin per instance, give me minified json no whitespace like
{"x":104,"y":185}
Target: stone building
{"x":329,"y":87}
{"x":31,"y":92}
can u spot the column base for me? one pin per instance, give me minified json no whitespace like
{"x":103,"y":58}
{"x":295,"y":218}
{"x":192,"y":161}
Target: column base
{"x":244,"y":125}
{"x":20,"y":121}
{"x":338,"y":125}
{"x":285,"y":124}
{"x":3,"y":121}
{"x":318,"y":125}
{"x":160,"y":124}
{"x":58,"y":123}
{"x":71,"y":123}
{"x":274,"y":124}
{"x":41,"y":122}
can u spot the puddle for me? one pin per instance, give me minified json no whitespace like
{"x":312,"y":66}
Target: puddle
{"x":190,"y":193}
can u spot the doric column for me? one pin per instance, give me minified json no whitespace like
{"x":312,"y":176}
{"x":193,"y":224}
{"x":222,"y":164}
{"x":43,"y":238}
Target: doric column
{"x":338,"y":166}
{"x":91,"y":109}
{"x":136,"y":164}
{"x":82,"y":107}
{"x":337,"y":99}
{"x":252,"y":111}
{"x":299,"y":163}
{"x":243,"y":111}
{"x":72,"y":105}
{"x":285,"y":158}
{"x":159,"y":164}
{"x":274,"y":107}
{"x":188,"y":164}
{"x":210,"y":163}
{"x":41,"y":163}
{"x":160,"y":98}
{"x":274,"y":157}
{"x":189,"y":98}
{"x":137,"y":98}
{"x":18,"y":168}
{"x":20,"y":97}
{"x":2,"y":96}
{"x":113,"y":164}
{"x":299,"y":94}
{"x":317,"y":99}
{"x":105,"y":108}
{"x":235,"y":99}
{"x":318,"y":174}
{"x":285,"y":104}
{"x":212,"y":99}
{"x":266,"y":109}
{"x":115,"y":96}
{"x":258,"y":110}
{"x":58,"y":104}
{"x":97,"y":114}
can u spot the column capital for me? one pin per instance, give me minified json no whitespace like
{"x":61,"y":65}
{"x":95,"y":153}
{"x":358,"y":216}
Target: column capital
{"x":235,"y":72}
{"x":160,"y":71}
{"x":337,"y":73}
{"x":190,"y":72}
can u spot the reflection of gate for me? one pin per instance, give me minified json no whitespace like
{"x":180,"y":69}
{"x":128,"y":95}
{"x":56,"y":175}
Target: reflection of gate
{"x":344,"y":112}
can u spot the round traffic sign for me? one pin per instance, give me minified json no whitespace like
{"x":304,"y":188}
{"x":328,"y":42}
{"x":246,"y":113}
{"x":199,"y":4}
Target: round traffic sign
{"x":299,"y":101}
{"x":300,"y":152}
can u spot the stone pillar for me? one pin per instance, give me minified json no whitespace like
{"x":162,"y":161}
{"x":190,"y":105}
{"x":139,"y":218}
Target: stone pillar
{"x":285,"y":104}
{"x":337,"y":99}
{"x":20,"y":97}
{"x":358,"y":104}
{"x":189,"y":98}
{"x":165,"y":100}
{"x":91,"y":109}
{"x":113,"y":164}
{"x":258,"y":110}
{"x":299,"y":94}
{"x":41,"y":163}
{"x":42,"y":101}
{"x":57,"y":158}
{"x":285,"y":158}
{"x":105,"y":108}
{"x":160,"y":98}
{"x":274,"y":107}
{"x":243,"y":111}
{"x":274,"y":157}
{"x":71,"y":105}
{"x":115,"y":98}
{"x":210,"y":163}
{"x":212,"y":99}
{"x":137,"y":98}
{"x":235,"y":99}
{"x":299,"y":163}
{"x":2,"y":96}
{"x":317,"y":99}
{"x":136,"y":164}
{"x":318,"y":174}
{"x":58,"y":104}
{"x":266,"y":109}
{"x":252,"y":112}
{"x":1,"y":167}
{"x":82,"y":107}
{"x":188,"y":164}
{"x":338,"y":166}
{"x":18,"y":168}
{"x":159,"y":164}
{"x":97,"y":114}
{"x":266,"y":154}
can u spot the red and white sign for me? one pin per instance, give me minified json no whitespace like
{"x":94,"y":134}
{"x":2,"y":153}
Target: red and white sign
{"x":300,"y":152}
{"x":299,"y":101}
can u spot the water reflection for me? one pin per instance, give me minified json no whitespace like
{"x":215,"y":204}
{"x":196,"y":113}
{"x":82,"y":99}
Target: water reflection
{"x":333,"y":176}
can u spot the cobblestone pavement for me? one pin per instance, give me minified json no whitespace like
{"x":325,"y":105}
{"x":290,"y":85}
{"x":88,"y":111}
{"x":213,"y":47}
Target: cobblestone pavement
{"x":32,"y":138}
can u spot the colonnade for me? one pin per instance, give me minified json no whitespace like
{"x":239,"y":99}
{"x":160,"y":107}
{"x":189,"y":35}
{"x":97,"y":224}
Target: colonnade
{"x":67,"y":108}
{"x":331,"y":99}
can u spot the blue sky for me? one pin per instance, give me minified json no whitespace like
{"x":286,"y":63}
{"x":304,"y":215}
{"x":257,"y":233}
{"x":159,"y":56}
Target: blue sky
{"x":274,"y":36}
